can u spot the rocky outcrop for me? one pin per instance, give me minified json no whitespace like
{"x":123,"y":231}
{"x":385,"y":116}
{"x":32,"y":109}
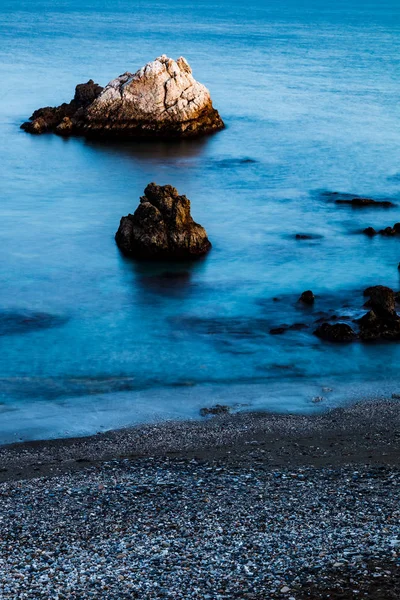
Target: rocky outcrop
{"x":162,"y":227}
{"x":160,"y":100}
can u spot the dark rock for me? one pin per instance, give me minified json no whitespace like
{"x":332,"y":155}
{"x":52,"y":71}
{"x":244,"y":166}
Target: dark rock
{"x":361,"y":202}
{"x":278,"y":330}
{"x":374,"y":327}
{"x":60,"y":118}
{"x":339,"y":332}
{"x":307,"y":236}
{"x":382,"y":300}
{"x":307,"y":297}
{"x":85,"y":93}
{"x":382,"y":321}
{"x":370,"y":231}
{"x":218,"y":409}
{"x":162,"y":228}
{"x":389,"y":231}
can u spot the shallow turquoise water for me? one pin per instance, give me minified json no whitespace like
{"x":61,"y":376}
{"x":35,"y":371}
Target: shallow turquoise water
{"x":310,"y":95}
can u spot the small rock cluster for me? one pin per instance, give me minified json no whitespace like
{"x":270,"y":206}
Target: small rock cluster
{"x":388,"y":231}
{"x":381,"y":322}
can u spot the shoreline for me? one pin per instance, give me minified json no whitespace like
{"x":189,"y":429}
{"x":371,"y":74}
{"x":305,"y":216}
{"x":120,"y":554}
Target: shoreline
{"x":361,"y":433}
{"x":249,"y":506}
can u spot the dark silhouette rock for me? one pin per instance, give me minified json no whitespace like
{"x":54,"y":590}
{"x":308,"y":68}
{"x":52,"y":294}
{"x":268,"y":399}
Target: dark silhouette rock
{"x":388,"y":231}
{"x":308,"y":236}
{"x":339,"y":332}
{"x":307,"y":297}
{"x":358,"y":202}
{"x":382,"y":300}
{"x":162,"y":228}
{"x":162,"y":99}
{"x":374,"y":327}
{"x":278,"y":330}
{"x":382,"y":321}
{"x":370,"y":231}
{"x":86,"y":93}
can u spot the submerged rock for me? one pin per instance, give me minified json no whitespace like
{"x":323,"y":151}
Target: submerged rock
{"x":307,"y":297}
{"x":162,"y":227}
{"x":339,"y":332}
{"x":26,"y":321}
{"x":360,"y":202}
{"x":356,"y":201}
{"x":162,"y":99}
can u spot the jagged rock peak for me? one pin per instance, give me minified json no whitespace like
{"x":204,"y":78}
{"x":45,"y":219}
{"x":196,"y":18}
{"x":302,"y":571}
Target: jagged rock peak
{"x":162,"y":227}
{"x":162,"y":99}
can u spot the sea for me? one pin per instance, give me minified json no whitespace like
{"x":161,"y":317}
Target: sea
{"x":310,"y":94}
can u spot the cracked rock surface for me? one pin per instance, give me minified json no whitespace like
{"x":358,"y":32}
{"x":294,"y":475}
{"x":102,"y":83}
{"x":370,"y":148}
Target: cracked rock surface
{"x":162,"y":99}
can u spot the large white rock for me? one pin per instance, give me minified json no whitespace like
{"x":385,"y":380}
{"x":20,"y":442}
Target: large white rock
{"x":160,"y":99}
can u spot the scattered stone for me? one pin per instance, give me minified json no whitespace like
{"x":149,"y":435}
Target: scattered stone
{"x":162,"y":99}
{"x":162,"y":228}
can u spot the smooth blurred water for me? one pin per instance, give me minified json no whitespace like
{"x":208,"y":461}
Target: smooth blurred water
{"x":310,"y":95}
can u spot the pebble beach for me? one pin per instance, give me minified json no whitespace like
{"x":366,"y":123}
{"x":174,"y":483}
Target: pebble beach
{"x":239,"y":506}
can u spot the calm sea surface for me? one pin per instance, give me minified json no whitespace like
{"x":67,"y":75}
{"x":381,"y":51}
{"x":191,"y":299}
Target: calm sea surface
{"x":310,"y":93}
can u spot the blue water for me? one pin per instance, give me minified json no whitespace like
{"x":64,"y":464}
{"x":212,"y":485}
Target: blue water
{"x":310,"y":95}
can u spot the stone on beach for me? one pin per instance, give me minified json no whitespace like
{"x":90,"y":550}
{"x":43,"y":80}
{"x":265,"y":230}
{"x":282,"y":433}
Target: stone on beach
{"x":162,"y":227}
{"x":162,"y":99}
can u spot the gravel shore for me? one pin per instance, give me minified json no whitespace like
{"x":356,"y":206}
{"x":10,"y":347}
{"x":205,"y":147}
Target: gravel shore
{"x":247,"y":506}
